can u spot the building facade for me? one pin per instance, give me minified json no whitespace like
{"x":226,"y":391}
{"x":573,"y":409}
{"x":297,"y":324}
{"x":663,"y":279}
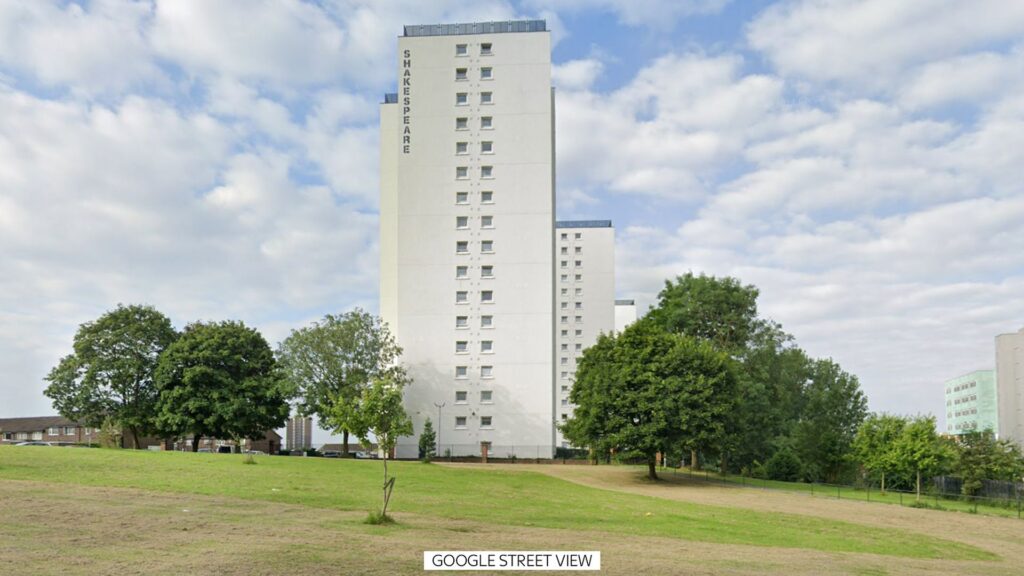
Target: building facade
{"x":299,"y":433}
{"x":972,"y":403}
{"x":585,"y":296}
{"x":625,"y":314}
{"x":1010,"y":385}
{"x":46,"y":429}
{"x":467,"y":234}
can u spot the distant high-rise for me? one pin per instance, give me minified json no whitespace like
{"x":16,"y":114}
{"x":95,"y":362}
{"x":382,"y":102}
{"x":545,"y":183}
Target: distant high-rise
{"x":299,"y":433}
{"x":971,"y":403}
{"x":1010,"y":385}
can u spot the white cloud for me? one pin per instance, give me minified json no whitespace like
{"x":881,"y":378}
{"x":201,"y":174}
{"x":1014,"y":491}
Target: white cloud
{"x":576,"y":74}
{"x":651,"y":13}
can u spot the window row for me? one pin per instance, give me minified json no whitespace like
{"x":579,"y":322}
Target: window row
{"x":577,"y":306}
{"x":462,"y":148}
{"x":462,"y":222}
{"x":486,"y":197}
{"x":486,"y":49}
{"x":462,"y":346}
{"x":462,"y":372}
{"x":578,"y":319}
{"x":462,"y":172}
{"x":565,"y":333}
{"x":576,"y":235}
{"x":462,"y":296}
{"x":576,"y":263}
{"x":462,"y":246}
{"x":577,"y":292}
{"x":65,"y":430}
{"x":486,"y":321}
{"x":485,"y":422}
{"x":486,"y":73}
{"x":462,"y":98}
{"x":486,"y":123}
{"x":577,"y":250}
{"x":462,"y":272}
{"x":576,"y":277}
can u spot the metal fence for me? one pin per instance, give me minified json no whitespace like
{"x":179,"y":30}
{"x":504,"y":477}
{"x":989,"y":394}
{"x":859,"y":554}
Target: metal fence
{"x":1006,"y":502}
{"x":508,"y":453}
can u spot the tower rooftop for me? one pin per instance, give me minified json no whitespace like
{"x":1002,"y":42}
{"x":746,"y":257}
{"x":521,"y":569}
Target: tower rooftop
{"x":505,"y":26}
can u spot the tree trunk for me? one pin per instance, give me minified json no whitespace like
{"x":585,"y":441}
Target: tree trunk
{"x":195,"y":442}
{"x":918,"y":485}
{"x":725,"y":464}
{"x":135,"y":437}
{"x":694,"y":463}
{"x":652,"y":471}
{"x":344,"y":446}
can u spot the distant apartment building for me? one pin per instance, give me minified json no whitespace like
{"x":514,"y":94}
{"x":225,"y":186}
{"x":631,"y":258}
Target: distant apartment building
{"x":1010,"y":385}
{"x":299,"y":433}
{"x":585,"y":296}
{"x":625,"y":314}
{"x":972,"y":403}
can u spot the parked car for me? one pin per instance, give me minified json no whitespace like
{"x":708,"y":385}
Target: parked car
{"x":332,"y":454}
{"x":34,"y":443}
{"x":204,"y":450}
{"x":225,"y":450}
{"x":256,"y":452}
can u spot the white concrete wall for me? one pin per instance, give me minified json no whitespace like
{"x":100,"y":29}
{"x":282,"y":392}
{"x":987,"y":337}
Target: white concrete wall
{"x":418,"y":274}
{"x":625,"y":314}
{"x":592,"y":287}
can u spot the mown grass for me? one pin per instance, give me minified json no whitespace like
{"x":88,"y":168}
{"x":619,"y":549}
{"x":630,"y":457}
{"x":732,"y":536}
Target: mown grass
{"x":491,"y":496}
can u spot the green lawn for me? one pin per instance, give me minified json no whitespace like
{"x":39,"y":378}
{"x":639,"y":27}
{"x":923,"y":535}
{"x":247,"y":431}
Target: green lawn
{"x":498,"y":497}
{"x":851,"y":493}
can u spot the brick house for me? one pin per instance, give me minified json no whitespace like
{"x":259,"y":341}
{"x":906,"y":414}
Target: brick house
{"x":46,"y":429}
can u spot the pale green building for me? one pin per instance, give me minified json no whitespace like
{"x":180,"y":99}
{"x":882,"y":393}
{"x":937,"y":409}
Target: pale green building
{"x":972,"y":403}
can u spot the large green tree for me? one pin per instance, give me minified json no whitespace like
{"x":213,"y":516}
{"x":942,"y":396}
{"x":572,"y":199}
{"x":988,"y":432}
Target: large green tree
{"x":982,"y":457}
{"x":875,"y":444}
{"x":920,"y":451}
{"x":379,"y":414}
{"x":720,"y":310}
{"x":331,"y":361}
{"x":221,"y":380}
{"x":834,"y":408}
{"x":645,"y":390}
{"x":109,"y":376}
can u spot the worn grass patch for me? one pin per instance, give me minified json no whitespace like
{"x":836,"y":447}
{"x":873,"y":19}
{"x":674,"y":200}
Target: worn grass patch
{"x":509,"y":498}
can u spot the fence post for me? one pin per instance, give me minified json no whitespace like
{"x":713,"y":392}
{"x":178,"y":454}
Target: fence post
{"x":901,"y":498}
{"x":869,"y":492}
{"x":839,"y":495}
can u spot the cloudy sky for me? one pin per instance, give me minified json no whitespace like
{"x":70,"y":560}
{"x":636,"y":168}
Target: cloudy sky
{"x":862,"y":163}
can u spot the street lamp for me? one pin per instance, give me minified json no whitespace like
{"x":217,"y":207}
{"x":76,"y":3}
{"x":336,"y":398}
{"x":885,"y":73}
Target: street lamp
{"x":439,"y":406}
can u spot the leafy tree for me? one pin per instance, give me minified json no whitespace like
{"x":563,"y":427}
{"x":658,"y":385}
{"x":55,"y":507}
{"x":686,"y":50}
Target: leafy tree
{"x":380,"y":413}
{"x":920,"y":451}
{"x":875,"y":443}
{"x":332,"y":361}
{"x":982,"y":457}
{"x":220,"y":380}
{"x":783,"y":465}
{"x":110,"y":373}
{"x":645,"y":390}
{"x":720,"y":310}
{"x":427,"y":441}
{"x":834,"y":409}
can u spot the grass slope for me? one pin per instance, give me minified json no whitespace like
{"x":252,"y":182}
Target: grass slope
{"x":497,"y":497}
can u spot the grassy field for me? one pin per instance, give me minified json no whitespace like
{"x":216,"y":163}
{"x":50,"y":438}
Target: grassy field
{"x":434,"y":504}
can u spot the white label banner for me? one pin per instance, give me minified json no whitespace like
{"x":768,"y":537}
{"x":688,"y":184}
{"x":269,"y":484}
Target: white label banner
{"x":552,"y":560}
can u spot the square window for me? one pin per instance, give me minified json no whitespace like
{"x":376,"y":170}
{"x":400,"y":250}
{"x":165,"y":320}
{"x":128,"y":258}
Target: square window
{"x":462,"y":321}
{"x":485,"y":421}
{"x":462,"y":197}
{"x":579,"y":291}
{"x":486,"y":122}
{"x":462,"y":123}
{"x":579,"y":332}
{"x":460,"y":73}
{"x":565,"y":347}
{"x":461,"y":347}
{"x":487,"y":246}
{"x":461,"y":173}
{"x":565,"y":278}
{"x":486,"y":395}
{"x":565,"y":250}
{"x":486,"y":73}
{"x":579,"y":263}
{"x":461,"y":99}
{"x":565,"y":319}
{"x":565,"y":388}
{"x":461,"y":297}
{"x":486,"y":49}
{"x":461,"y":50}
{"x":565,"y":374}
{"x":579,"y":347}
{"x":579,"y":250}
{"x":487,"y":147}
{"x":565,"y":417}
{"x":487,"y":271}
{"x":460,"y":421}
{"x":565,"y":236}
{"x":487,"y":371}
{"x":460,"y":396}
{"x":486,"y":321}
{"x":565,"y":291}
{"x":565,"y":305}
{"x":579,"y":305}
{"x":487,"y":197}
{"x":462,"y":271}
{"x":462,"y":222}
{"x":487,"y":171}
{"x":462,"y":247}
{"x":462,"y":148}
{"x":487,"y":346}
{"x":487,"y":295}
{"x":564,"y":361}
{"x":579,"y":235}
{"x":565,"y":401}
{"x":461,"y":371}
{"x":565,"y":333}
{"x":579,"y":319}
{"x":486,"y":97}
{"x":487,"y":221}
{"x":564,"y":264}
{"x":578,"y":277}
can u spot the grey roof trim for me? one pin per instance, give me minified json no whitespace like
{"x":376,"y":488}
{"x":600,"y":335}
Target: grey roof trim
{"x":625,"y":302}
{"x":583,"y":224}
{"x":507,"y":26}
{"x":34,"y":423}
